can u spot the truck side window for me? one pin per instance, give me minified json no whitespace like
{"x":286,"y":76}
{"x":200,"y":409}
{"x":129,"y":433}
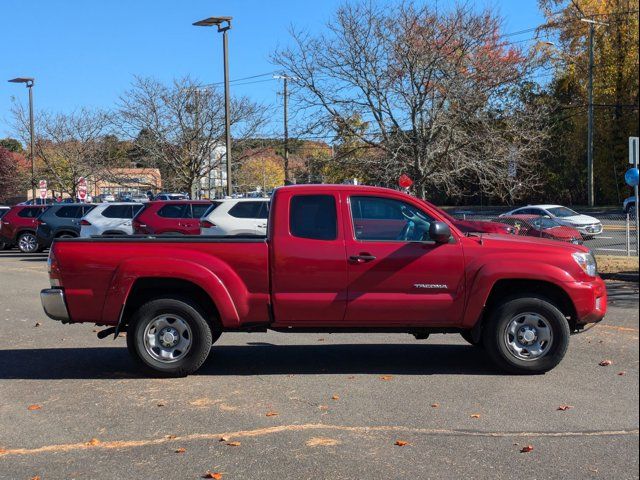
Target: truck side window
{"x":386,"y":219}
{"x":313,"y":216}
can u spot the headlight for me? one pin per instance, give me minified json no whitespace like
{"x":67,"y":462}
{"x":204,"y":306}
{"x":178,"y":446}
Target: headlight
{"x":586,"y":262}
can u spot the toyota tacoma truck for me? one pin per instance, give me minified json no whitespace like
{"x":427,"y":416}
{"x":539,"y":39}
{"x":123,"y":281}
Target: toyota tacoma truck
{"x":336,"y":258}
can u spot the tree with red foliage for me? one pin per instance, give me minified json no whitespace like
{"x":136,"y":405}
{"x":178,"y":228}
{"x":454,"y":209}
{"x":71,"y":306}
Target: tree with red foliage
{"x":439,"y":92}
{"x":13,"y":178}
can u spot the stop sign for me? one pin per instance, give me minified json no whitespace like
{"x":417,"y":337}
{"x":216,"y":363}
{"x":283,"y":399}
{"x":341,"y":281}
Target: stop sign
{"x":42,"y":185}
{"x":404,"y":181}
{"x":82,"y":189}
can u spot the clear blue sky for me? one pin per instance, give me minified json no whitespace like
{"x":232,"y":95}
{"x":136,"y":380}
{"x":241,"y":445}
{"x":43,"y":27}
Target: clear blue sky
{"x":85,"y":52}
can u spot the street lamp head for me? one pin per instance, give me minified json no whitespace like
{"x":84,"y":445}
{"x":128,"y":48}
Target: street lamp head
{"x":29,"y":81}
{"x":215,"y":22}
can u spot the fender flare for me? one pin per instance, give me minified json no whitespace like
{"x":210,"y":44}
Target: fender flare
{"x":129,"y":271}
{"x":486,"y":277}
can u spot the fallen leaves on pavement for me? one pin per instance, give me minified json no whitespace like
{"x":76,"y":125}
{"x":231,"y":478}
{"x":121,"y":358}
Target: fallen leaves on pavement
{"x":335,"y":397}
{"x":562,"y":408}
{"x":271,"y":414}
{"x":526,"y":449}
{"x":34,"y":407}
{"x":475,"y":415}
{"x":214,"y":475}
{"x":386,"y":378}
{"x":93,"y":442}
{"x":435,"y":405}
{"x":605,"y":363}
{"x":401,"y":443}
{"x":233,"y":444}
{"x":180,"y":450}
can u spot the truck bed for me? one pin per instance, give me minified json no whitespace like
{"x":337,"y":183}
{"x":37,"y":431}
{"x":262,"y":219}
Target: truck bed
{"x":98,"y":273}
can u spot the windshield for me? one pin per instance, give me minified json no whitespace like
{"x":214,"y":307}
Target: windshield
{"x":543,"y":223}
{"x":562,"y":212}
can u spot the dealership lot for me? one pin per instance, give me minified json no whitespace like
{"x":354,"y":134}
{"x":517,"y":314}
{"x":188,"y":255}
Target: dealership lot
{"x":299,"y":406}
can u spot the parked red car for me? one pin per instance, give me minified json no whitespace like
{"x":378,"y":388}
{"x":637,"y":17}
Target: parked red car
{"x":543,"y":227}
{"x":179,"y":217}
{"x":479,"y":226}
{"x":19,"y":227}
{"x":337,"y":258}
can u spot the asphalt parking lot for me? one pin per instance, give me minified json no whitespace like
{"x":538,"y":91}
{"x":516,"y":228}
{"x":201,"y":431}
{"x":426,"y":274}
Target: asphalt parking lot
{"x":269,"y":405}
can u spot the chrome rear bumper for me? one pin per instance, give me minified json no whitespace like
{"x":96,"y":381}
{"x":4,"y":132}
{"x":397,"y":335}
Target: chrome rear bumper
{"x":54,"y":305}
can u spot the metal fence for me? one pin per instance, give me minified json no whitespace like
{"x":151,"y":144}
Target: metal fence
{"x":618,"y":237}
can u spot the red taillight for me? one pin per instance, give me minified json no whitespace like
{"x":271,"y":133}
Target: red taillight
{"x":54,"y":270}
{"x":85,"y":223}
{"x":206,"y":224}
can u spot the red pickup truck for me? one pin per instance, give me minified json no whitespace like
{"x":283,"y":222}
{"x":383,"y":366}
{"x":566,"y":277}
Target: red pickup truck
{"x":337,"y":258}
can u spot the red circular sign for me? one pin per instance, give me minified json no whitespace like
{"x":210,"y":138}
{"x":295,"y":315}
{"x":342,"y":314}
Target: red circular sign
{"x":404,"y":181}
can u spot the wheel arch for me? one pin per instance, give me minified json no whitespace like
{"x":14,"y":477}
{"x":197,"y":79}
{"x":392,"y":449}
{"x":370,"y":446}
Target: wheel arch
{"x":145,"y":289}
{"x":505,"y":288}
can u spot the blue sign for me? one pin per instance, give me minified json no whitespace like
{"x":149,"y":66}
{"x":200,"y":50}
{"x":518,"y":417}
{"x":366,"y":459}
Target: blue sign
{"x":631,"y":177}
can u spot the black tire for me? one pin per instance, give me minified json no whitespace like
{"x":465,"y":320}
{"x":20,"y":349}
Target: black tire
{"x":497,"y":340}
{"x":28,"y":243}
{"x":200,"y":337}
{"x":466,"y":334}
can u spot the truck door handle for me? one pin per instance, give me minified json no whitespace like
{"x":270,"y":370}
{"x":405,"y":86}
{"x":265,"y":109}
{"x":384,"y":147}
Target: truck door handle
{"x":362,"y":258}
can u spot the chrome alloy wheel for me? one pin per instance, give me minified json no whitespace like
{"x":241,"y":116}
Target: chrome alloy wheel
{"x":28,"y":243}
{"x":528,"y":336}
{"x":167,"y":338}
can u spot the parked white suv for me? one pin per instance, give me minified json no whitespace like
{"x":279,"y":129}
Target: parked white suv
{"x":109,"y":219}
{"x":241,"y":216}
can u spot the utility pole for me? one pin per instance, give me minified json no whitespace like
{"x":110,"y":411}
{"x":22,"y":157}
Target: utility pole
{"x":285,"y":80}
{"x":590,"y":184}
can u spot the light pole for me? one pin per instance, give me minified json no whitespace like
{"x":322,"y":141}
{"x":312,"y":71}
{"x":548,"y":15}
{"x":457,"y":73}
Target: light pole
{"x":28,"y":81}
{"x":591,"y":191}
{"x":223,"y":24}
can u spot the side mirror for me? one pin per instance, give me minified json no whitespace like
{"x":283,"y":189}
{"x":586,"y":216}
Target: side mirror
{"x":439,"y":232}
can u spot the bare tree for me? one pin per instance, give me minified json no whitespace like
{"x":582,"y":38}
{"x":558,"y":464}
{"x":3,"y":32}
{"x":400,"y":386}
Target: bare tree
{"x":68,"y":146}
{"x":439,"y":94}
{"x":177,"y":127}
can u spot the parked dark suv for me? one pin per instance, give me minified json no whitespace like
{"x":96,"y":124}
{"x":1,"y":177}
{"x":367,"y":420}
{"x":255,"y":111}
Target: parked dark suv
{"x":61,"y":221}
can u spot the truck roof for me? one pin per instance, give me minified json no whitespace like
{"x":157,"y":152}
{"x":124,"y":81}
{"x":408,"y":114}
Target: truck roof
{"x":339,"y":187}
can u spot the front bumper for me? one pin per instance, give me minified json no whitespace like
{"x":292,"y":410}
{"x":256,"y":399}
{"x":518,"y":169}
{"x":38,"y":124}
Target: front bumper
{"x":54,"y":304}
{"x":589,"y":300}
{"x":589,"y":230}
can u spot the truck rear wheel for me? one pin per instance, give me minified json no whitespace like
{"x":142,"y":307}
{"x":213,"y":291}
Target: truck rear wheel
{"x":169,"y":337}
{"x":526,"y":335}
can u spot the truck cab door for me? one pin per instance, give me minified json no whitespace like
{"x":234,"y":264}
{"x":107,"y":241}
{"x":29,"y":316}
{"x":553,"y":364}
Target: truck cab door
{"x":308,"y":262}
{"x":397,"y":276}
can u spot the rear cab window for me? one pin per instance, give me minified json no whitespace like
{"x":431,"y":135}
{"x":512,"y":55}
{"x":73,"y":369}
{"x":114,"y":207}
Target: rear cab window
{"x":313,"y":217}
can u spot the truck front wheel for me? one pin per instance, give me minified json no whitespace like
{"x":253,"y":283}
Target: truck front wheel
{"x":526,"y":335}
{"x":169,"y":337}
